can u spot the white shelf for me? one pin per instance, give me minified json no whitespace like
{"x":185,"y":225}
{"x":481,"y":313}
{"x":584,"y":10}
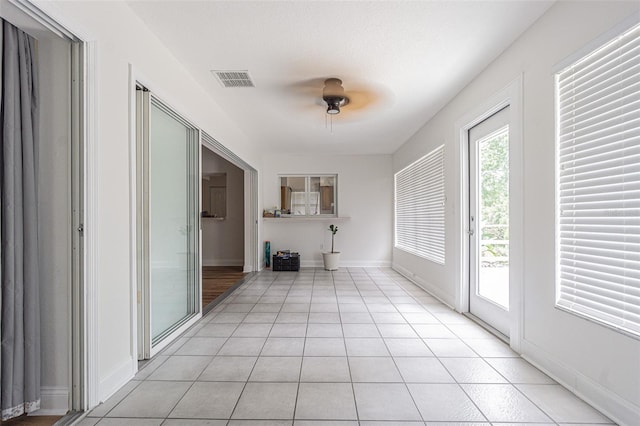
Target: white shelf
{"x":292,"y":219}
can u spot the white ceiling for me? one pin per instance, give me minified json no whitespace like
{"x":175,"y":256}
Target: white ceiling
{"x":400,"y":61}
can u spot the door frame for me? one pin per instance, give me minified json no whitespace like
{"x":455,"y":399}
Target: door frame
{"x":510,"y":96}
{"x":251,"y":246}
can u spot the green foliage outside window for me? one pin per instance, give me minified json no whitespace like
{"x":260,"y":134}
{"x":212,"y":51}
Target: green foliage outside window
{"x":494,"y":158}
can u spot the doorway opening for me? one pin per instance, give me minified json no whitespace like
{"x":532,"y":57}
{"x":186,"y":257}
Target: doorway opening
{"x":229,"y":222}
{"x":222,"y":226}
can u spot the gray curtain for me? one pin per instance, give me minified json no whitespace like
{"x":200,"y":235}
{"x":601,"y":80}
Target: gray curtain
{"x":20,"y":305}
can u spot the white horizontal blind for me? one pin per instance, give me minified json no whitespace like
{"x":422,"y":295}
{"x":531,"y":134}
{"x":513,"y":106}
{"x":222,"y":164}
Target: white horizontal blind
{"x":419,"y":207}
{"x":598,"y":193}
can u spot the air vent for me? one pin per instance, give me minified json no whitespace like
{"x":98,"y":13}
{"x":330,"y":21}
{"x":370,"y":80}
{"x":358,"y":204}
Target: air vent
{"x":234,"y":78}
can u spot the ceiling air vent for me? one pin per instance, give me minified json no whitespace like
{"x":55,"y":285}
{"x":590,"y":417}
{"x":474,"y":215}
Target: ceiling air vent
{"x":234,"y":78}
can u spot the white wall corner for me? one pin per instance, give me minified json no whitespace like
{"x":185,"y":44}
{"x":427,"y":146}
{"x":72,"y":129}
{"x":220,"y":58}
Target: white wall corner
{"x":611,"y":405}
{"x":114,"y":381}
{"x":433,"y":290}
{"x":54,"y":401}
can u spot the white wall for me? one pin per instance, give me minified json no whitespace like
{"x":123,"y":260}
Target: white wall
{"x":54,"y":212}
{"x":223,"y":240}
{"x":599,"y":364}
{"x":122,"y":40}
{"x":365,"y":199}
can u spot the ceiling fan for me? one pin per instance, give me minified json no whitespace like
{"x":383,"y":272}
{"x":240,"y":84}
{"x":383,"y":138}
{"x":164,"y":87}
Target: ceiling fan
{"x":350,"y":101}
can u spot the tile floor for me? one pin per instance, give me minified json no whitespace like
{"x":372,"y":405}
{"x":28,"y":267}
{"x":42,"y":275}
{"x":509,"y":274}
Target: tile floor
{"x":354,"y":347}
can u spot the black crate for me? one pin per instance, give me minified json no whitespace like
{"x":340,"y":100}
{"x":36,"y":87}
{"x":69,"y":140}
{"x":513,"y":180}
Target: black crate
{"x":290,"y":262}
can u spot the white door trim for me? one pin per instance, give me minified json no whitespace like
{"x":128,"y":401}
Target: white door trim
{"x":511,"y":96}
{"x":251,"y":247}
{"x":89,"y":336}
{"x":91,"y":216}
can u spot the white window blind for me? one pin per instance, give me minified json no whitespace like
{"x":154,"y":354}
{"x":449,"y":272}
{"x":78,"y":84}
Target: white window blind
{"x":598,"y":184}
{"x":419,"y":207}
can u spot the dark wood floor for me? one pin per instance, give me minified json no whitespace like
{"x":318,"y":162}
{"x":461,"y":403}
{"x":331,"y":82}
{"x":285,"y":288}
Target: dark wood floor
{"x":218,"y":279}
{"x":32,"y":421}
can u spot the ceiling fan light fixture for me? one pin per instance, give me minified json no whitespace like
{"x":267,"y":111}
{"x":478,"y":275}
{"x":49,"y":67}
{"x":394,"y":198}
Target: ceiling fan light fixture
{"x":333,"y":105}
{"x":333,"y":95}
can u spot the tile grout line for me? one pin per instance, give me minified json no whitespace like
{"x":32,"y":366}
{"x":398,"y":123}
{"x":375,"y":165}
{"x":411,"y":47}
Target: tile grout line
{"x":406,"y":386}
{"x":344,"y":339}
{"x":304,"y":344}
{"x":246,"y":382}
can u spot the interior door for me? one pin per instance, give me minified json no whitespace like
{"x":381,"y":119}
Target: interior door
{"x":489,"y":221}
{"x":168,"y":238}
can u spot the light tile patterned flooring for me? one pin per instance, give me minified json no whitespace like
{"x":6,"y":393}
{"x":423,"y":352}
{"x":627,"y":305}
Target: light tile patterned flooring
{"x":354,"y":347}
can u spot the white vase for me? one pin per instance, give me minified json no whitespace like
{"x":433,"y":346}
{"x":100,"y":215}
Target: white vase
{"x":331,"y":261}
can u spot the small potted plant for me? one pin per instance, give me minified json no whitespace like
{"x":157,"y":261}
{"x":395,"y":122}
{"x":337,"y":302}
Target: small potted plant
{"x":331,"y":259}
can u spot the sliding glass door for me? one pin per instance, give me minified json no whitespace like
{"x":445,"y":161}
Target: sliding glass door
{"x":170,"y":224}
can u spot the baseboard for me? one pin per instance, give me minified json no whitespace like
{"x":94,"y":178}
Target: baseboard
{"x":432,"y":289}
{"x":54,"y":401}
{"x":611,"y":405}
{"x":348,"y":264}
{"x":114,"y":381}
{"x":222,"y":262}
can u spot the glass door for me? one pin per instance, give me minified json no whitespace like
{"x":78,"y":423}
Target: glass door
{"x":169,"y":238}
{"x":489,"y":221}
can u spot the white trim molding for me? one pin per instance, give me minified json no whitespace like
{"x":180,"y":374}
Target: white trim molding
{"x":115,"y":380}
{"x":133,"y":222}
{"x":348,"y":264}
{"x":430,"y":288}
{"x":91,"y":235}
{"x":54,"y":401}
{"x":222,"y":262}
{"x":611,"y":405}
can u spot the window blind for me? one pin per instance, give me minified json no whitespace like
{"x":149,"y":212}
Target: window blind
{"x":598,"y":184}
{"x":419,"y":207}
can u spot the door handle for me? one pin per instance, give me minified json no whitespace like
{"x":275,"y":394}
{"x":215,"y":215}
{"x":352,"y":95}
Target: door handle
{"x":470,"y":232}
